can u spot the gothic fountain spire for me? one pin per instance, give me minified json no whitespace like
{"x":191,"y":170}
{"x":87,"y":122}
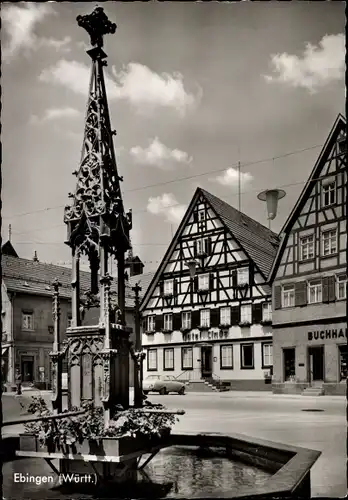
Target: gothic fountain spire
{"x":97,"y":224}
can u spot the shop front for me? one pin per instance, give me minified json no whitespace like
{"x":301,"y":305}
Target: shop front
{"x":310,"y":356}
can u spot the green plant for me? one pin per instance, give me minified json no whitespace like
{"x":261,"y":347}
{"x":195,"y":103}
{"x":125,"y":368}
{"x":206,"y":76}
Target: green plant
{"x":90,"y":425}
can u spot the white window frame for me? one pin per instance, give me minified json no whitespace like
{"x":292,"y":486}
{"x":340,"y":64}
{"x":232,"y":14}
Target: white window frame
{"x":288,"y":295}
{"x":243,"y":365}
{"x":186,"y":319}
{"x":341,"y":279}
{"x":226,"y":360}
{"x":200,"y":213}
{"x":329,"y":191}
{"x":205,"y":318}
{"x":315,"y":291}
{"x":201,"y":246}
{"x":267,"y":357}
{"x":168,"y":321}
{"x":307,"y":247}
{"x":151,"y":323}
{"x":243,"y":276}
{"x":27,"y":321}
{"x":332,"y":240}
{"x":245,"y":313}
{"x":203,"y":281}
{"x":168,"y":287}
{"x":267,"y":311}
{"x":225,"y":315}
{"x":168,"y":358}
{"x":151,"y":352}
{"x":187,"y":358}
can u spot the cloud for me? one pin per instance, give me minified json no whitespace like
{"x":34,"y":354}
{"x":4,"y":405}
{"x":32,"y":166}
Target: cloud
{"x":146,"y":89}
{"x":318,"y":66}
{"x":55,"y":114}
{"x":167,"y":205}
{"x":20,"y":22}
{"x":136,"y":83}
{"x":230,"y":177}
{"x":159,"y":155}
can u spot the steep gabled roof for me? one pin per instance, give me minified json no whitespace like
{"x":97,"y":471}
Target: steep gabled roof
{"x":26,"y":276}
{"x":258,"y":242}
{"x":8,"y":249}
{"x":339,"y":126}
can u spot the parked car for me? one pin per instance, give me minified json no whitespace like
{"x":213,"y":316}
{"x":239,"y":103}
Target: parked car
{"x":163,"y":384}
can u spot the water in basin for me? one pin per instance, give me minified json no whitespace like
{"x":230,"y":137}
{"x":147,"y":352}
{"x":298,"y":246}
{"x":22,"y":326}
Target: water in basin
{"x":175,"y":472}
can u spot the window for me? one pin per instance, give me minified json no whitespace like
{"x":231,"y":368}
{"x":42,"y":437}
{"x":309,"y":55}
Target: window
{"x":201,"y":215}
{"x":225,"y":316}
{"x":307,"y":247}
{"x":152,"y":359}
{"x":267,"y":311}
{"x":245,"y":313}
{"x":343,"y":351}
{"x":329,"y":193}
{"x":203,"y":282}
{"x":288,"y":296}
{"x":329,"y":241}
{"x":186,"y":319}
{"x":205,"y":317}
{"x":27,"y":321}
{"x":168,"y":287}
{"x":341,"y":287}
{"x":187,"y":358}
{"x":226,"y":356}
{"x":314,"y":291}
{"x":247,"y":355}
{"x":168,"y":359}
{"x":267,"y":355}
{"x":243,"y":276}
{"x":151,"y":327}
{"x":168,"y":321}
{"x":69,"y":321}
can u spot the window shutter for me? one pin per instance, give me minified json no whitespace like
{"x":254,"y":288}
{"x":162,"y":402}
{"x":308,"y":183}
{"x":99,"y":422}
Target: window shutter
{"x":251,"y":274}
{"x":195,"y":319}
{"x":176,"y":321}
{"x":332,"y":288}
{"x":211,"y":281}
{"x":325,"y":285}
{"x":235,"y":315}
{"x":277,"y":297}
{"x":144,"y":325}
{"x":196,"y":283}
{"x":195,"y":216}
{"x":301,"y":293}
{"x":256,"y":313}
{"x":175,"y":287}
{"x":214,"y":317}
{"x":161,"y":288}
{"x":159,"y":323}
{"x":195,"y":248}
{"x":234,"y":278}
{"x":207,"y":246}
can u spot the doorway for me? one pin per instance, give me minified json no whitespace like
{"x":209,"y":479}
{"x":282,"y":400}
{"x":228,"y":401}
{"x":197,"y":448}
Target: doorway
{"x":289,"y":364}
{"x":316,"y":364}
{"x":207,"y":361}
{"x":27,"y":368}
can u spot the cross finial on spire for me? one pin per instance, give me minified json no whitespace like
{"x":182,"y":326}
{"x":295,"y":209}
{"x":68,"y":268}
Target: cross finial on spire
{"x":97,"y":25}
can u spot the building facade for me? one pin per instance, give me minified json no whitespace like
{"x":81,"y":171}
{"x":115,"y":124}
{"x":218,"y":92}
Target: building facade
{"x":27,"y":324}
{"x":217,"y":325}
{"x":309,"y":279}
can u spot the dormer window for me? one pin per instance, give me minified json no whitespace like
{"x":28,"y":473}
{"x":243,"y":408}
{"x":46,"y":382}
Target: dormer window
{"x":168,"y":287}
{"x":243,"y":276}
{"x":201,"y":215}
{"x":328,"y":192}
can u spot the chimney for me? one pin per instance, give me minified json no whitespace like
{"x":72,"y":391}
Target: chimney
{"x":35,"y":258}
{"x":136,"y":267}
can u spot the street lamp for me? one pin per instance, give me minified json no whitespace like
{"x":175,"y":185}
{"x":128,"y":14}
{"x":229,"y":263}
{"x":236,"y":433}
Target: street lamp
{"x":271,"y":197}
{"x":192,"y":265}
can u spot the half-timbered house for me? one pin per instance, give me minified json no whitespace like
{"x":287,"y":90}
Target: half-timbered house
{"x":309,"y":279}
{"x":216,"y":325}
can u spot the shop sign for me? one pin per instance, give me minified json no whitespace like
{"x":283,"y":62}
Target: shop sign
{"x":337,"y":333}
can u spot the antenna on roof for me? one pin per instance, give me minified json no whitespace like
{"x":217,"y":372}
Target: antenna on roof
{"x":35,"y":258}
{"x":9,"y":232}
{"x":239,"y":182}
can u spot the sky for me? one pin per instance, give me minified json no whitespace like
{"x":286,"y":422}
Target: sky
{"x":193,"y":89}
